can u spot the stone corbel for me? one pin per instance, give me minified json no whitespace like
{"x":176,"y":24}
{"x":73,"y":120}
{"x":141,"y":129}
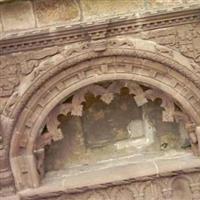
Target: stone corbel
{"x":99,"y":45}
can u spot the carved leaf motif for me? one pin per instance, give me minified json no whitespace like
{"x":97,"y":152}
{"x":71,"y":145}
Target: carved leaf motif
{"x":77,"y":110}
{"x":115,"y":87}
{"x":137,"y":90}
{"x":79,"y":98}
{"x":134,"y":88}
{"x":140,"y":99}
{"x":164,"y":50}
{"x":97,"y":90}
{"x":9,"y":79}
{"x":107,"y":98}
{"x":27,"y":67}
{"x":167,"y":104}
{"x":65,"y":109}
{"x":52,"y":126}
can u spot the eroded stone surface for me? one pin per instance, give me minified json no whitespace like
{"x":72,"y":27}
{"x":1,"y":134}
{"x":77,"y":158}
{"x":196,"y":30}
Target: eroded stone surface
{"x":118,"y":67}
{"x":17,"y":15}
{"x":42,"y":79}
{"x":105,"y":8}
{"x":21,"y":14}
{"x":55,"y":11}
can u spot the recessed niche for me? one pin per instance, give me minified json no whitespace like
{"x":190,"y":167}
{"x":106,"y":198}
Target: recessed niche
{"x":113,"y":123}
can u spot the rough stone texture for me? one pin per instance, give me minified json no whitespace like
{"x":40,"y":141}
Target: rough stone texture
{"x":184,"y":187}
{"x":108,"y":8}
{"x":17,"y":15}
{"x":20,"y":13}
{"x":1,"y":26}
{"x":34,"y":83}
{"x":29,"y":102}
{"x":55,"y":11}
{"x":165,"y":3}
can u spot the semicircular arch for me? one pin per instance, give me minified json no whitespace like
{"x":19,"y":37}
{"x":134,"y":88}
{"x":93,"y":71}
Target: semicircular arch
{"x":136,"y":60}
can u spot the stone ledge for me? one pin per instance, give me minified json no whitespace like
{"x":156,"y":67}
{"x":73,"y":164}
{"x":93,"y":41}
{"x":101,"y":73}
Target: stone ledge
{"x":28,"y":14}
{"x":60,"y":35}
{"x":139,"y":170}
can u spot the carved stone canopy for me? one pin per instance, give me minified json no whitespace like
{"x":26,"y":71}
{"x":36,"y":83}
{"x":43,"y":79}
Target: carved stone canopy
{"x":139,"y":136}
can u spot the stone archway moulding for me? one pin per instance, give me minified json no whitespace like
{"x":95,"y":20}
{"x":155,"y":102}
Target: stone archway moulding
{"x":82,"y":64}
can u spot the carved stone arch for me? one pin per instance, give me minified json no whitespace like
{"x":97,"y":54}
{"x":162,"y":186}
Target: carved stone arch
{"x":123,"y":193}
{"x":151,"y":189}
{"x":185,"y":177}
{"x":181,"y":181}
{"x":98,"y":195}
{"x":115,"y":59}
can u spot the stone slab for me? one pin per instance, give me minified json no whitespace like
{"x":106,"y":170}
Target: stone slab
{"x":109,"y":8}
{"x":17,"y":15}
{"x":55,"y":11}
{"x":141,"y":170}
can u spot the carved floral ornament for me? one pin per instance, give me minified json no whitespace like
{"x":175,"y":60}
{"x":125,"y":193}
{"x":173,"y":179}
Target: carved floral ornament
{"x":85,"y":64}
{"x":171,"y":112}
{"x":141,"y":97}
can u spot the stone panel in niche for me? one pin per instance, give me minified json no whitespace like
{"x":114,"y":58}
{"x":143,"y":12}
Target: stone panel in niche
{"x":110,"y":125}
{"x":58,"y":11}
{"x":104,"y":124}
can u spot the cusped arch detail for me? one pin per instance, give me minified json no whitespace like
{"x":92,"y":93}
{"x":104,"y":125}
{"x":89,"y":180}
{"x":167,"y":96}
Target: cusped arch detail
{"x":84,"y":64}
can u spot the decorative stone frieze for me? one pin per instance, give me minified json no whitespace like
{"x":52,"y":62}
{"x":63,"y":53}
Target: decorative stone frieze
{"x":162,"y":189}
{"x":66,"y":34}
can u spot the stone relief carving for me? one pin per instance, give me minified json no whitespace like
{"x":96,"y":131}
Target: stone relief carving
{"x":111,"y":68}
{"x":37,"y":69}
{"x":40,"y":64}
{"x":14,"y":67}
{"x":100,"y":29}
{"x":8,"y":80}
{"x":107,"y":95}
{"x":184,"y":38}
